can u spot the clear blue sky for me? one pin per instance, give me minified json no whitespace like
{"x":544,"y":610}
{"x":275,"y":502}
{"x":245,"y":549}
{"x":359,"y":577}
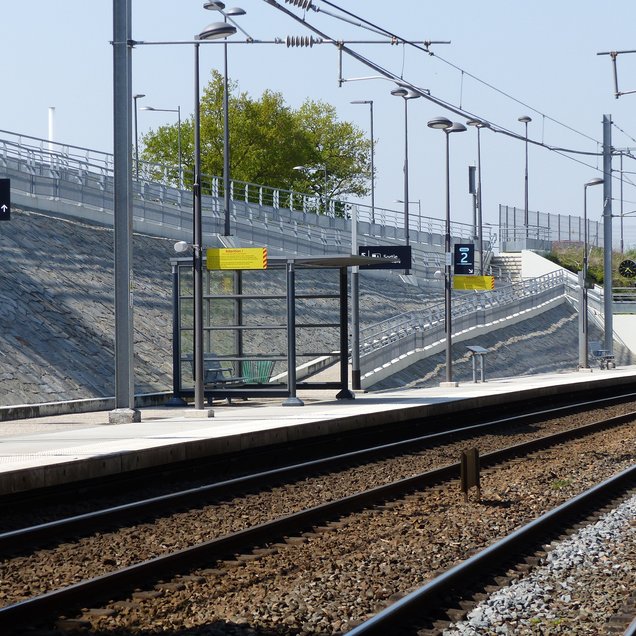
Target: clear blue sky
{"x":541,"y":58}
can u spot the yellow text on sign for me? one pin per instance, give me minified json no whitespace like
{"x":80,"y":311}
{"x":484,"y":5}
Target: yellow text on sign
{"x":236,"y":258}
{"x":474,"y":282}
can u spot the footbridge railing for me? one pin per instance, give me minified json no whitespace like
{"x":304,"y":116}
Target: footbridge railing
{"x":415,"y":330}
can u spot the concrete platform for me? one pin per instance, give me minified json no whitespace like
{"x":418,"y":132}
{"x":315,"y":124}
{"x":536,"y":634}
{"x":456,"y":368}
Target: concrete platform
{"x":60,"y":449}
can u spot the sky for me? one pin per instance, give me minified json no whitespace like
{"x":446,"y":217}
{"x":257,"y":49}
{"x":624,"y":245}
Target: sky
{"x":505,"y":59}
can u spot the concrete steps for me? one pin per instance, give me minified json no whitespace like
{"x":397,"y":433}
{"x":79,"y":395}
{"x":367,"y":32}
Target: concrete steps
{"x":506,"y":266}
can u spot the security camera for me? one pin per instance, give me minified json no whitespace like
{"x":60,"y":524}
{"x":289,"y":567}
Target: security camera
{"x":181,"y":246}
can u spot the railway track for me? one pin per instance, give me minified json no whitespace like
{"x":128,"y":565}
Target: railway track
{"x":295,"y":529}
{"x":432,"y":608}
{"x":43,"y":505}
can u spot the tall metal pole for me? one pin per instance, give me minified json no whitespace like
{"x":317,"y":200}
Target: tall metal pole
{"x":135,"y":98}
{"x":355,"y":306}
{"x":326,"y":190}
{"x":293,"y":399}
{"x":370,"y":102}
{"x":226,"y":146}
{"x":406,"y":95}
{"x":179,"y":153}
{"x":607,"y":233}
{"x":583,"y":313}
{"x":179,"y":147}
{"x":441,"y":123}
{"x":447,"y":271}
{"x":480,"y":218}
{"x":122,"y":204}
{"x":622,"y":243}
{"x":583,"y":337}
{"x":526,"y":120}
{"x":372,"y":166}
{"x":407,"y":240}
{"x":197,"y":245}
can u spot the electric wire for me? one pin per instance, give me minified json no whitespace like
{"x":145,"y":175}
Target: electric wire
{"x":468,"y":74}
{"x":564,"y":152}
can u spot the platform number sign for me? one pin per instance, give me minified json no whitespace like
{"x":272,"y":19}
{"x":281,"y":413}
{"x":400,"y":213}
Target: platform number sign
{"x":464,"y":258}
{"x":5,"y":199}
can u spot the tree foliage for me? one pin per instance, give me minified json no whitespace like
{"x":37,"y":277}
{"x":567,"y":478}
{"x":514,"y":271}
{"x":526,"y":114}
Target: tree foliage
{"x":268,"y":140}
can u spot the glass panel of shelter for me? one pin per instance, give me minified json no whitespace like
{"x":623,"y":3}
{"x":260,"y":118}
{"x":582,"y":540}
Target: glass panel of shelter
{"x":245,"y":326}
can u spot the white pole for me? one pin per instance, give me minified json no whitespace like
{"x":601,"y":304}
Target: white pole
{"x":51,"y":122}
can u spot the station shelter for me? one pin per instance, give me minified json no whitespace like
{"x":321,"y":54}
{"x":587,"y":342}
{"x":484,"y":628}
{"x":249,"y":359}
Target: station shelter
{"x":266,"y":330}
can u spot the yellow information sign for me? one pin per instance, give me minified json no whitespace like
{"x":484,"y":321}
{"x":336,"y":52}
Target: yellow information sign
{"x":236,"y":258}
{"x":474,"y":282}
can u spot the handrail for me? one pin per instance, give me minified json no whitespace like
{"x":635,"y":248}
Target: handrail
{"x":69,"y":162}
{"x":385,"y":333}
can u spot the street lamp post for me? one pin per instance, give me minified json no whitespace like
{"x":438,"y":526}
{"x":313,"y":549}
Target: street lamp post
{"x":213,"y":31}
{"x":406,"y":95}
{"x":323,"y":168}
{"x":583,"y":313}
{"x":419,"y":209}
{"x":441,"y":123}
{"x":135,"y":98}
{"x":125,"y":411}
{"x":235,"y":11}
{"x":178,"y":111}
{"x":479,"y":124}
{"x":526,"y":120}
{"x":370,"y":102}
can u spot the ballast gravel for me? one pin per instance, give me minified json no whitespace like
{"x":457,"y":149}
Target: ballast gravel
{"x":567,"y":592}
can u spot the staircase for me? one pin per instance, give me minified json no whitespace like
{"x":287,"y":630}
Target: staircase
{"x":506,"y":266}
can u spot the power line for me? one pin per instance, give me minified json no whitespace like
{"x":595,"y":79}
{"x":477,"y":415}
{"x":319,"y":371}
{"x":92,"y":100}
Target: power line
{"x":386,"y":74}
{"x":465,"y":73}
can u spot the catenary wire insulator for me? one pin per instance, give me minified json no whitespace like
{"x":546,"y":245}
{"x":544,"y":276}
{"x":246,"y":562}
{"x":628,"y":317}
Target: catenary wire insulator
{"x":301,"y":40}
{"x":302,"y":4}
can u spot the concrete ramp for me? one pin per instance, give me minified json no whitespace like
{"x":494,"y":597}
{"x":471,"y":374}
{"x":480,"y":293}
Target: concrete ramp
{"x":625,"y":330}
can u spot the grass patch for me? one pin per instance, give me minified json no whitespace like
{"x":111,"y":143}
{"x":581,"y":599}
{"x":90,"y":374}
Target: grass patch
{"x":560,"y":484}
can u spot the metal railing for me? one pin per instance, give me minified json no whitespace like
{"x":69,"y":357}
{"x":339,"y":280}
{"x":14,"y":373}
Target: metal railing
{"x":544,"y":226}
{"x":387,"y":340}
{"x":81,"y":175}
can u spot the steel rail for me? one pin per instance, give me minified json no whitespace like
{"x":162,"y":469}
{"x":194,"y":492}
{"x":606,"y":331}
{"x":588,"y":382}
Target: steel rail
{"x":19,"y":616}
{"x":426,"y":599}
{"x":25,"y":538}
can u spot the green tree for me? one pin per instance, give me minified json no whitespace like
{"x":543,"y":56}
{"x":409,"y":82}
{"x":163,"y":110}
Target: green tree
{"x":268,"y":139}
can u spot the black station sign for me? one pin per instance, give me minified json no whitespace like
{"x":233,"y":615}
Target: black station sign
{"x":400,"y":252}
{"x":464,"y":262}
{"x":5,"y":199}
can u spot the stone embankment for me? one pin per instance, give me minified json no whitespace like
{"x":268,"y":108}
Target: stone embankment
{"x":57,"y":310}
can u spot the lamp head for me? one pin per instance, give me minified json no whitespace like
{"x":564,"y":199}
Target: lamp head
{"x":595,"y":181}
{"x":214,"y":6}
{"x":456,"y":127}
{"x":440,"y":123}
{"x":234,"y":11}
{"x":525,"y":119}
{"x":478,"y":123}
{"x":216,"y":31}
{"x":181,"y":246}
